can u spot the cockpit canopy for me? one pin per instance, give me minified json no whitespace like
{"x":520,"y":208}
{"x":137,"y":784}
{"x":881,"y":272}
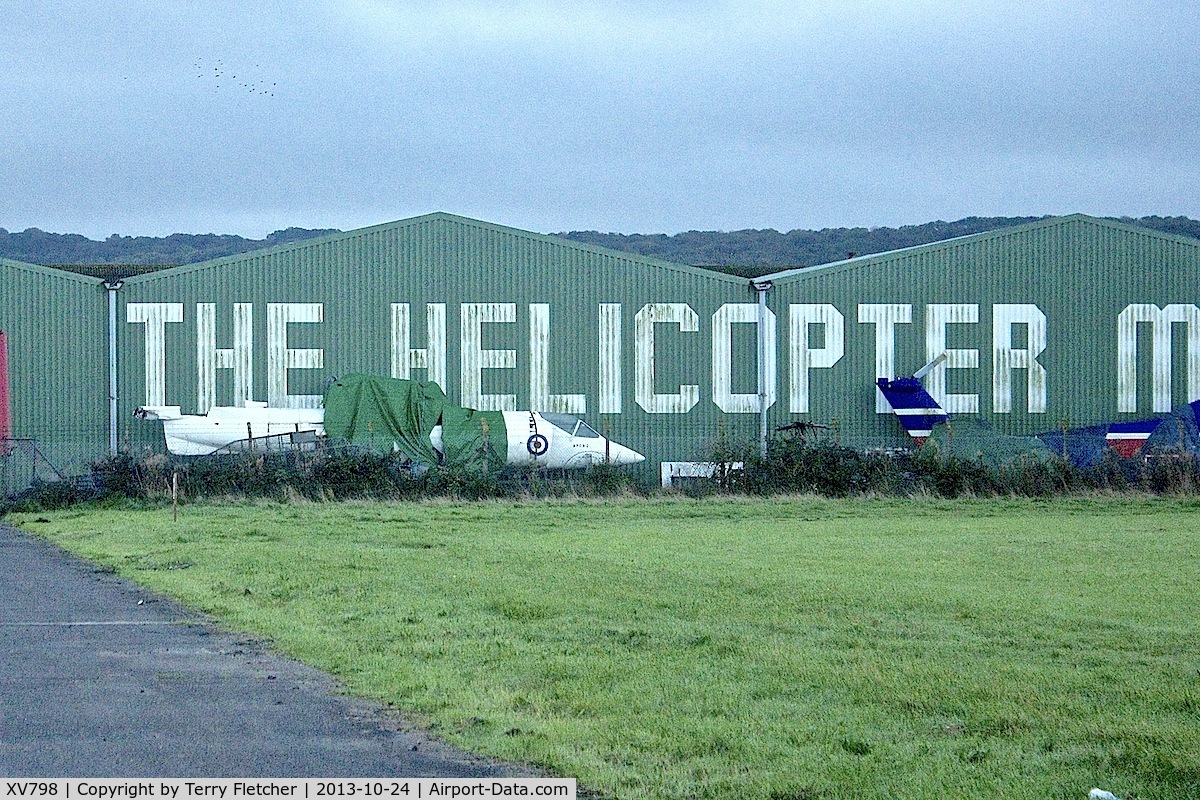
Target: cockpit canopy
{"x":572,"y":425}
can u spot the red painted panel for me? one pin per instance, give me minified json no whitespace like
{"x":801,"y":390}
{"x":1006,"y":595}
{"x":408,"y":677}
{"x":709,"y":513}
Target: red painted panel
{"x":1126,"y":448}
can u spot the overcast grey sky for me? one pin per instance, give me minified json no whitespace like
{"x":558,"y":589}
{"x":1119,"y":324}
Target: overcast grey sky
{"x":148,"y":118}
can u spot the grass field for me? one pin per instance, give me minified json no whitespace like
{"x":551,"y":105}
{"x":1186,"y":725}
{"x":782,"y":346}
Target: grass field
{"x":733,"y":648}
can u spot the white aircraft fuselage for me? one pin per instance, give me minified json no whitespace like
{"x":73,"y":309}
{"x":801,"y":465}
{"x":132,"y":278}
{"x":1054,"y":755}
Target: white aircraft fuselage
{"x":556,"y":441}
{"x":201,"y":434}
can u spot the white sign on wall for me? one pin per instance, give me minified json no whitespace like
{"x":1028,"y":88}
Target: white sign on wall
{"x":814,"y":344}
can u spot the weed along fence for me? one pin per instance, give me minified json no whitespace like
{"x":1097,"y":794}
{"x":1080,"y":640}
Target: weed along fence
{"x":346,"y":473}
{"x":1080,"y":324}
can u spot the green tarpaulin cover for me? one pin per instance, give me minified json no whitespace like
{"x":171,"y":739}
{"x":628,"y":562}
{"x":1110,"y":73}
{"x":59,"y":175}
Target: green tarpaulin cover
{"x":974,"y":439}
{"x":385,"y":415}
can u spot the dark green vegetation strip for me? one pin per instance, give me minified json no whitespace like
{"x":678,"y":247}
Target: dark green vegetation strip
{"x":745,"y":252}
{"x":798,"y":648}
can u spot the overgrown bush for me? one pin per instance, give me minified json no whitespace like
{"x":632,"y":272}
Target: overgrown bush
{"x":350,"y":474}
{"x":48,"y":497}
{"x":329,"y":474}
{"x":1032,"y":477}
{"x":825,"y":469}
{"x":1171,"y":473}
{"x":602,"y":480}
{"x":793,"y":465}
{"x":127,"y":475}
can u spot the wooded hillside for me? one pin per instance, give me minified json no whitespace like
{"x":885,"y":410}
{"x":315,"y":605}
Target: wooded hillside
{"x":747,"y":253}
{"x":750,"y":253}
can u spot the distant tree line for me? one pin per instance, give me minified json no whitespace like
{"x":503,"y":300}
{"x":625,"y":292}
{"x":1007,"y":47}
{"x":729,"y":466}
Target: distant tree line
{"x":34,"y":246}
{"x":747,"y":253}
{"x":751,"y":253}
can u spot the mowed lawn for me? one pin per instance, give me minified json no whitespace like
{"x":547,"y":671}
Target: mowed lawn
{"x":789,"y":649}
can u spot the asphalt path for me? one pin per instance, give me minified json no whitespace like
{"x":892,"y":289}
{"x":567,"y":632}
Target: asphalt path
{"x":99,"y":678}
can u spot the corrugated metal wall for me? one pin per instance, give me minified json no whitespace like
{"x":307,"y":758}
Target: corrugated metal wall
{"x":57,"y":327}
{"x":1072,"y":320}
{"x":507,"y":319}
{"x":1041,"y":303}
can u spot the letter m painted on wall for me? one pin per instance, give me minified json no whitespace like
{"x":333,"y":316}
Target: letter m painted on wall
{"x":1161,"y":321}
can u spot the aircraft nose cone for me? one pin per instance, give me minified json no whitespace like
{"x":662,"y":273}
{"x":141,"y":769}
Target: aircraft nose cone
{"x":620,"y":455}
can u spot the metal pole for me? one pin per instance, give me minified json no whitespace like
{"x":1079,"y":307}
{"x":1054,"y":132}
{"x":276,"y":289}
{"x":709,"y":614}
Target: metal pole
{"x":112,"y":288}
{"x":762,"y":287}
{"x":6,"y":428}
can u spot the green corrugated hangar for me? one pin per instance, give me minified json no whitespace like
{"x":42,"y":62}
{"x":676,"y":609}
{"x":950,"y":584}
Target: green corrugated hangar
{"x":1067,"y":321}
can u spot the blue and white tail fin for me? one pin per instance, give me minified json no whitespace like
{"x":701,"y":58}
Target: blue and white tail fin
{"x":916,"y":409}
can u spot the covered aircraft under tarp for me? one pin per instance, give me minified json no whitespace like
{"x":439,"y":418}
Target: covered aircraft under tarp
{"x":1173,"y":432}
{"x":393,"y":414}
{"x":923,"y":418}
{"x":1085,"y":446}
{"x":976,"y":440}
{"x":390,"y":415}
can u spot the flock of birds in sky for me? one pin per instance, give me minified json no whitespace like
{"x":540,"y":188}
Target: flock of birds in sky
{"x":221,"y":76}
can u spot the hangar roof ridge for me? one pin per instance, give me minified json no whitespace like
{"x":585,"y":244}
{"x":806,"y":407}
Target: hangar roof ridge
{"x":250,"y":255}
{"x":999,"y":233}
{"x":435,"y":216}
{"x":592,"y":248}
{"x":49,"y":272}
